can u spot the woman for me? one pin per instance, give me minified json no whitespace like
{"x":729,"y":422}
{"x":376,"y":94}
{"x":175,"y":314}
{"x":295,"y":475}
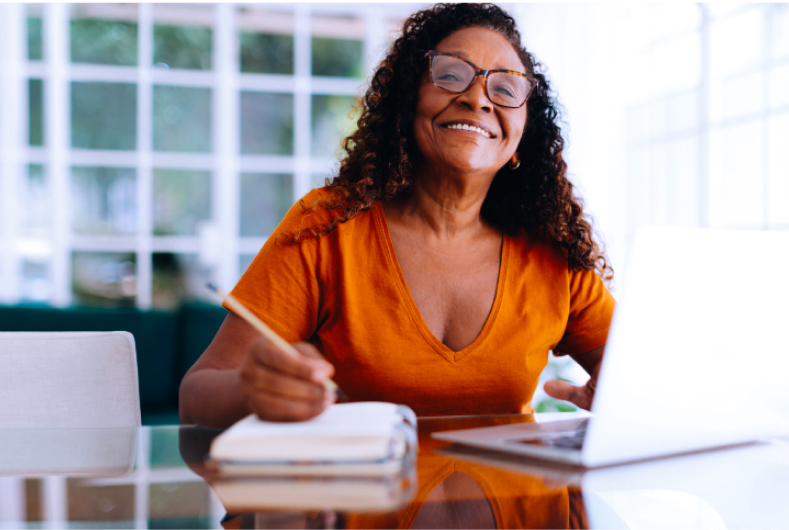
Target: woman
{"x":441,"y":265}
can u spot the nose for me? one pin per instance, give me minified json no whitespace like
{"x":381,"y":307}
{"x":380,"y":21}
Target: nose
{"x":476,"y":97}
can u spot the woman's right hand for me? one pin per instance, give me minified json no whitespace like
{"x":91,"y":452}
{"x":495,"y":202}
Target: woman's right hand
{"x":280,"y":387}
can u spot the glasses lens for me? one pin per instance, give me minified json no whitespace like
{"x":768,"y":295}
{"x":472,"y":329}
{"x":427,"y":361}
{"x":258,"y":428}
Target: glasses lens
{"x":450,"y":73}
{"x":508,"y":90}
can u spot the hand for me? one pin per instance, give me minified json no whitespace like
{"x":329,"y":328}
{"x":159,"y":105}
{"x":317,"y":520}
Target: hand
{"x":280,"y":387}
{"x":580,"y":396}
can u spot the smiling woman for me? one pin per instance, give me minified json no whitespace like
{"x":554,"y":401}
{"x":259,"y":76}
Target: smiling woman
{"x":443,"y":262}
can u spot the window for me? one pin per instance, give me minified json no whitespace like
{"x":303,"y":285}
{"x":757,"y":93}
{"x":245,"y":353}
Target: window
{"x":162,"y":143}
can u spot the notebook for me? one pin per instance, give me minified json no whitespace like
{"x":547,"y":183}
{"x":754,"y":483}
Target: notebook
{"x":360,"y":439}
{"x":695,"y":356}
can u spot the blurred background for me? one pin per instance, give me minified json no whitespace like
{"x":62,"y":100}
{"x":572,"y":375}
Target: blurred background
{"x":148,"y":148}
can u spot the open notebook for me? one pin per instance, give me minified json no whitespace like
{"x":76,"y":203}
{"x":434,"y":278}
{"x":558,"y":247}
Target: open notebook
{"x":360,"y":439}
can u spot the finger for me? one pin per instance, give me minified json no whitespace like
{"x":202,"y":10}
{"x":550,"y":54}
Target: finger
{"x":265,"y":380}
{"x":311,"y":352}
{"x":270,"y":356}
{"x":579,"y":396}
{"x":274,"y":407}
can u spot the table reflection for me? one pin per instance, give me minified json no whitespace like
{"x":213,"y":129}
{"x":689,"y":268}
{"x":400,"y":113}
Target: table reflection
{"x":447,"y":492}
{"x":61,"y":479}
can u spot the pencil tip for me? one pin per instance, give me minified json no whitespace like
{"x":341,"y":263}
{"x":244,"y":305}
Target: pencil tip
{"x":212,"y":286}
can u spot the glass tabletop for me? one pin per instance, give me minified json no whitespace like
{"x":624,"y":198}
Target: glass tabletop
{"x":157,"y":477}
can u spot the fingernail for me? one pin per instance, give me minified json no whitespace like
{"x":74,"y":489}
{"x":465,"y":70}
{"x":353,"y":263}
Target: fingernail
{"x":328,"y":398}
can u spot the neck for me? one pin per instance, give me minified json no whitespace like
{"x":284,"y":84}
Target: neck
{"x":448,"y":207}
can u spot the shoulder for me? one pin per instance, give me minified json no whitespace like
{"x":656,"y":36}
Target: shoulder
{"x":309,"y":211}
{"x":320,"y":213}
{"x":529,"y":249}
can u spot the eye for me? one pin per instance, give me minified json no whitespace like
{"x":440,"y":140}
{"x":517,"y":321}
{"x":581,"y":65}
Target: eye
{"x":505,"y":90}
{"x":448,"y":75}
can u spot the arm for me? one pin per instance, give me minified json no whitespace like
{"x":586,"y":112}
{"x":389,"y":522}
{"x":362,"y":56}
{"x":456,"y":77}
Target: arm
{"x":241,"y":373}
{"x":581,"y":396}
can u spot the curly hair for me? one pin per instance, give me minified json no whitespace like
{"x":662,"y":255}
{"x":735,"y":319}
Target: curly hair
{"x":537,"y":196}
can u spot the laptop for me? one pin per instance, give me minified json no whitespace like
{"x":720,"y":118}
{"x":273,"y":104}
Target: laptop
{"x":697,"y":356}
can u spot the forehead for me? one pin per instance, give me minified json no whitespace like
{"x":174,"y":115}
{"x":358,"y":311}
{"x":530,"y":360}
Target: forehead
{"x":486,"y":48}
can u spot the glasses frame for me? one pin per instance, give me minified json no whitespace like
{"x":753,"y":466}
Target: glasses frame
{"x":480,"y":72}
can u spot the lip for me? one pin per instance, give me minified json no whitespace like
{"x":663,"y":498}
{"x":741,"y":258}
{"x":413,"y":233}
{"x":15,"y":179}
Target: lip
{"x":470,"y":123}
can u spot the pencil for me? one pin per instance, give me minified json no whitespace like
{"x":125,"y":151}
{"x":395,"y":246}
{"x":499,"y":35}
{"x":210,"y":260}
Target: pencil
{"x":263,"y":329}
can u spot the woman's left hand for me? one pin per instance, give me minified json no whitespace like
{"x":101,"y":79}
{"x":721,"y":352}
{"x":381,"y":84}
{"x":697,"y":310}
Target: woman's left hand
{"x":580,"y":396}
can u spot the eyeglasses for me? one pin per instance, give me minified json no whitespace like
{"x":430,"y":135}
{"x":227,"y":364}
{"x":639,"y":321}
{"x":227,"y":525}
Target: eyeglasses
{"x":505,"y":88}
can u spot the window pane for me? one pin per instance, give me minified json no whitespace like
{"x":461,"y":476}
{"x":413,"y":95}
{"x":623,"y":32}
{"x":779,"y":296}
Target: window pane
{"x":35,"y":286}
{"x":266,"y":53}
{"x":178,"y":278}
{"x":265,"y":199}
{"x":103,"y":279}
{"x":778,"y":172}
{"x":38,"y":207}
{"x":181,"y":119}
{"x":332,"y":121}
{"x":736,"y":162}
{"x":104,"y":116}
{"x":35,"y":44}
{"x":244,"y":261}
{"x":104,"y":42}
{"x":103,"y":200}
{"x":35,"y":92}
{"x":182,"y":47}
{"x":266,"y":123}
{"x":181,"y":199}
{"x":318,"y":180}
{"x":337,"y":57}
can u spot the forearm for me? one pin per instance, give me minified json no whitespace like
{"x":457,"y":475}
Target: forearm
{"x":212,"y":398}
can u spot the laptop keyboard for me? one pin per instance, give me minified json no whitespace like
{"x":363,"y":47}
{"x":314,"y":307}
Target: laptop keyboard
{"x":564,"y":440}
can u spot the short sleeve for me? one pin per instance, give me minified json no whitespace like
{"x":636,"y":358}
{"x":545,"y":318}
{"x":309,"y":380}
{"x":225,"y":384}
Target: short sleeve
{"x":283,"y":284}
{"x":591,"y":310}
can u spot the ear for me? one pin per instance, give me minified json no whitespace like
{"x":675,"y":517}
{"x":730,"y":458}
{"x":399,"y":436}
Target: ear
{"x":515,"y":161}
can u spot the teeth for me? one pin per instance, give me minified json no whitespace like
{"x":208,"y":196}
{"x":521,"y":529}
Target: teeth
{"x":465,"y":127}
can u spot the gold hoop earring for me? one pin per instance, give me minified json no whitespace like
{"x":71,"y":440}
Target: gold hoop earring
{"x":515,"y":162}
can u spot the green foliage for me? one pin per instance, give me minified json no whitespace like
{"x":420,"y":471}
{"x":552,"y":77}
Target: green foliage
{"x":266,"y":53}
{"x":265,"y":199}
{"x":35,"y":42}
{"x":35,"y":92}
{"x":181,"y":199}
{"x":181,"y":119}
{"x":182,"y":47}
{"x":104,"y":116}
{"x":337,"y":57}
{"x":103,"y":42}
{"x":266,"y":123}
{"x":333,"y":119}
{"x":554,"y":405}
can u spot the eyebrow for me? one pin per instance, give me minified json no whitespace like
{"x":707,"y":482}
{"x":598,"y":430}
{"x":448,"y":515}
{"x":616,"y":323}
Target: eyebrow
{"x":461,"y":54}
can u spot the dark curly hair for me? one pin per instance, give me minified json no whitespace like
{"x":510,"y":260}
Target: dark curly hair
{"x":537,"y":196}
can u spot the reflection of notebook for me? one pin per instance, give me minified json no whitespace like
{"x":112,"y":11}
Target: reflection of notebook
{"x":694,"y":355}
{"x":358,"y":494}
{"x":359,"y":439}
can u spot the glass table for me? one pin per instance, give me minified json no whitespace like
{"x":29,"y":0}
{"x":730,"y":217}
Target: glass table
{"x":157,"y":477}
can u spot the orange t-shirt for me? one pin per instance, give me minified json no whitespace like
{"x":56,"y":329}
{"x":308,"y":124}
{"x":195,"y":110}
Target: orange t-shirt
{"x":344,"y":292}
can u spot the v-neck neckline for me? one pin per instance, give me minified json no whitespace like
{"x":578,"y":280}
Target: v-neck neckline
{"x":394,"y":264}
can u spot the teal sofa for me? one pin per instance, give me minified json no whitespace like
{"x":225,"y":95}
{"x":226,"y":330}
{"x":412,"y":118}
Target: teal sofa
{"x":168,"y":343}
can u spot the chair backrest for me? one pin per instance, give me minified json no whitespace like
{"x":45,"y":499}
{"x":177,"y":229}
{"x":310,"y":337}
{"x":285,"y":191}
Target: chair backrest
{"x":82,"y":380}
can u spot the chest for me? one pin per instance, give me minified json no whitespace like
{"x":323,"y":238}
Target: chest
{"x":454,"y":289}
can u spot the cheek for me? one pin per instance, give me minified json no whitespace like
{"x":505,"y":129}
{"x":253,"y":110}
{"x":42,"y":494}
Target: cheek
{"x":517,"y":127}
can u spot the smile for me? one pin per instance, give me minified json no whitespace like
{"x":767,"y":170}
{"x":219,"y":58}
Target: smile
{"x":466,"y":127}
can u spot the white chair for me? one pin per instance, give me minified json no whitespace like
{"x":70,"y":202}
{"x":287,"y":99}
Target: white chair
{"x":69,"y":404}
{"x":84,"y":380}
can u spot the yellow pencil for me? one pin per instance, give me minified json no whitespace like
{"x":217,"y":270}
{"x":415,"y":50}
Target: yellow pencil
{"x":261,"y":327}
